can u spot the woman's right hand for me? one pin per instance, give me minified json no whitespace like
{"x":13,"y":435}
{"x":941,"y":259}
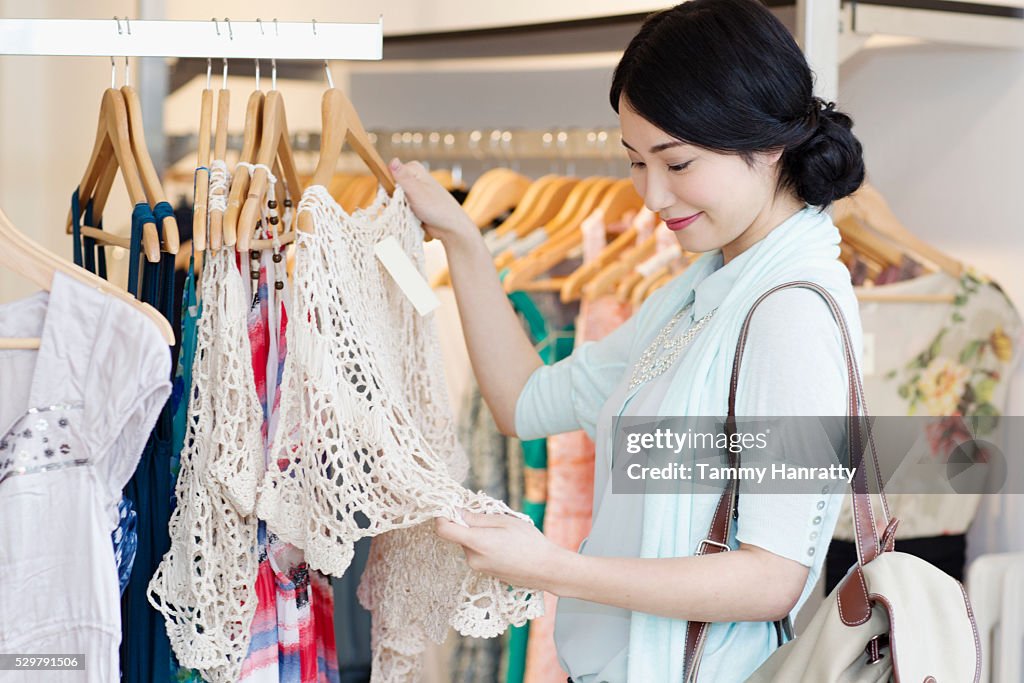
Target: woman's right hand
{"x":442,"y":216}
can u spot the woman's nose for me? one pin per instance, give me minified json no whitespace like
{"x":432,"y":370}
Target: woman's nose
{"x":656,"y":193}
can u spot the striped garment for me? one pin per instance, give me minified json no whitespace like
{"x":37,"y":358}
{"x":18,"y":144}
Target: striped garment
{"x":293,"y":629}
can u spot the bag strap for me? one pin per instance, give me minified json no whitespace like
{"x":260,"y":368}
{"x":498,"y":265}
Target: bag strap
{"x":867,"y":540}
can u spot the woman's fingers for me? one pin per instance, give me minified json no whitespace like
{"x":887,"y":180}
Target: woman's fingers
{"x":450,"y":531}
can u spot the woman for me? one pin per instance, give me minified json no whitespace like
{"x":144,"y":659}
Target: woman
{"x":730,"y":148}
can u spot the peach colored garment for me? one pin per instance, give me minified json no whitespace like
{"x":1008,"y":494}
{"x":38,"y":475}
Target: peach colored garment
{"x":570,"y":482}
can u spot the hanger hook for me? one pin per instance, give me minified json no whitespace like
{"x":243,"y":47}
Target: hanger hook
{"x":216,"y":24}
{"x":224,"y":85}
{"x":209,"y":71}
{"x":330,"y":78}
{"x":231,"y":34}
{"x":119,"y":31}
{"x":260,"y":23}
{"x":314,"y":27}
{"x":257,"y":73}
{"x":127,"y":73}
{"x":276,"y":32}
{"x":273,"y":73}
{"x":128,"y":24}
{"x":113,"y":73}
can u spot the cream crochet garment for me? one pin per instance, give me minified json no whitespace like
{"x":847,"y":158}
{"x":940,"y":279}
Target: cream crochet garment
{"x":205,"y":586}
{"x":366,"y":445}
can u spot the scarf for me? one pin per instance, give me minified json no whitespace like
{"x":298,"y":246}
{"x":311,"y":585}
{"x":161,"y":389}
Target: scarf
{"x":804,"y":247}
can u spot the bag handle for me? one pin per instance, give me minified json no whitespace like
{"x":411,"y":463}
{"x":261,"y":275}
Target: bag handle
{"x":867,"y":539}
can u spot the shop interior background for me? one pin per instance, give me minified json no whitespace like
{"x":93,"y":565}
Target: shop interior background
{"x":941,"y":123}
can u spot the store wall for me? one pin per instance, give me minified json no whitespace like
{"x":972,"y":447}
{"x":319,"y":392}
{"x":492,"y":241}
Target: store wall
{"x":941,"y":127}
{"x":48,"y":113}
{"x":943,"y":137}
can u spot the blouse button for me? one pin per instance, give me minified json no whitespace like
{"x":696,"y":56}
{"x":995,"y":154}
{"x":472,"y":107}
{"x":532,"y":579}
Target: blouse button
{"x":817,"y":520}
{"x":821,"y":505}
{"x":824,"y":490}
{"x":814,"y":535}
{"x":810,"y":551}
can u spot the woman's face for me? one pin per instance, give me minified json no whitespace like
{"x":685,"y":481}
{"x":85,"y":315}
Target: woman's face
{"x":709,"y":200}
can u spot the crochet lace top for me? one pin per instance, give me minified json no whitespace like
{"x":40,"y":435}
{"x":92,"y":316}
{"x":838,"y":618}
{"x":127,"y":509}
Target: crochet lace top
{"x":366,"y":443}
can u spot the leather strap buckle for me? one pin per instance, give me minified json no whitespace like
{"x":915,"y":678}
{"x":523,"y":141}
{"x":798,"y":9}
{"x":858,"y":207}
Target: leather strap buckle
{"x":700,"y":546}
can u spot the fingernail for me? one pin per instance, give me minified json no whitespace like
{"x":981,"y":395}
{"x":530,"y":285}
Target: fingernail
{"x":395,"y":165}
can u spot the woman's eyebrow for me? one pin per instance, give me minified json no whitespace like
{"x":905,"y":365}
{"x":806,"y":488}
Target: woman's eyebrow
{"x":657,"y":148}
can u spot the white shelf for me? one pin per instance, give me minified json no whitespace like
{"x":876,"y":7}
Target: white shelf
{"x":220,"y":39}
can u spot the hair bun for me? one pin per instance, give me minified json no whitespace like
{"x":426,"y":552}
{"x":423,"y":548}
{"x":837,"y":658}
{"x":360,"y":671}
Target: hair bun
{"x":829,"y":165}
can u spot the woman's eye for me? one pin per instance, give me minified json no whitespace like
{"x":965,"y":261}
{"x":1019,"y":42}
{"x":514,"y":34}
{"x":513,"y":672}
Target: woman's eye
{"x":636,"y":164}
{"x":675,"y":168}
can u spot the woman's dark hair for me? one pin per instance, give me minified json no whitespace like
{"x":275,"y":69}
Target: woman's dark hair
{"x":727,"y":76}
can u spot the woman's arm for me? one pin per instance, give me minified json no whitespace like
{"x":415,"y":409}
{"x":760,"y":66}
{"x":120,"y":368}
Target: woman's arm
{"x":749,"y":584}
{"x":501,"y":353}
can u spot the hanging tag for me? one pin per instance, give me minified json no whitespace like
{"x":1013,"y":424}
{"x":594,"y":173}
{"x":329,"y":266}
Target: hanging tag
{"x":405,"y":274}
{"x":868,"y":357}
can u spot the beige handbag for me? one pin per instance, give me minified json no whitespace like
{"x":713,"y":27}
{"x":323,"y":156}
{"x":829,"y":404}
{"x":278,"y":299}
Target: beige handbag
{"x":894,"y":617}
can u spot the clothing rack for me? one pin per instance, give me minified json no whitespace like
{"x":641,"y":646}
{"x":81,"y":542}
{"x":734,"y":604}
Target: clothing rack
{"x":188,"y":40}
{"x":215,"y":38}
{"x":491,"y":144}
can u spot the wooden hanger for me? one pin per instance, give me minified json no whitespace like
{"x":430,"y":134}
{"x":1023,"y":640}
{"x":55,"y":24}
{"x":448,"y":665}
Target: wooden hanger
{"x":240,"y":180}
{"x":619,"y":198}
{"x":528,"y":205}
{"x":341,"y":125}
{"x":607,"y":278}
{"x":664,"y":245}
{"x":339,"y":183}
{"x":102,"y":237}
{"x":202,"y":194}
{"x":867,"y":243}
{"x":618,"y":257}
{"x":220,"y":151}
{"x":581,"y":202}
{"x":482,"y":186}
{"x":150,"y":178}
{"x":363,"y":191}
{"x":284,"y":236}
{"x":274,"y":144}
{"x":869,"y":207}
{"x":32,"y":261}
{"x":113,"y":146}
{"x":347,"y":197}
{"x":674,"y":260}
{"x":542,"y":201}
{"x":446,"y":180}
{"x":500,"y":193}
{"x":572,"y":290}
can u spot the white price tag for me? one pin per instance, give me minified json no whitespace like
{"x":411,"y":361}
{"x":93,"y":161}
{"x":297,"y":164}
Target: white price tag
{"x":868,"y":359}
{"x":404,"y":272}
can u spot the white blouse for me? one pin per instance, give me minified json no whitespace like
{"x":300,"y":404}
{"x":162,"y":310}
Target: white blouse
{"x":793,"y":365}
{"x":76,"y":415}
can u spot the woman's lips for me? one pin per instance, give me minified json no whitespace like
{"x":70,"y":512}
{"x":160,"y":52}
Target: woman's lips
{"x":680,"y":223}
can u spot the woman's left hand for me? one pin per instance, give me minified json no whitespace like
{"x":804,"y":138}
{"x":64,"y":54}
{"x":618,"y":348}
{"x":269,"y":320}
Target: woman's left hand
{"x":508,"y":548}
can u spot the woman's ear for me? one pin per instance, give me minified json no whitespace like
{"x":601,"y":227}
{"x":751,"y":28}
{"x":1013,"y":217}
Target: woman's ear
{"x":771,"y":158}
